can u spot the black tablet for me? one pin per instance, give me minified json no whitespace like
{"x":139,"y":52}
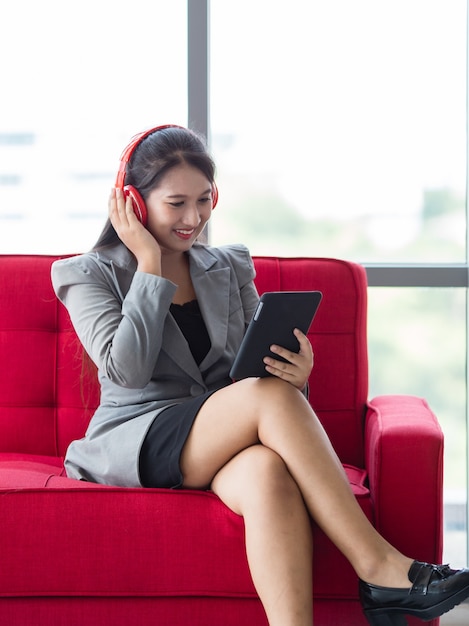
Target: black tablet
{"x":277,"y":315}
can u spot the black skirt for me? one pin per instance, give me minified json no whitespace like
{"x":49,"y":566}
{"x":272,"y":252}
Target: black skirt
{"x":161,"y":449}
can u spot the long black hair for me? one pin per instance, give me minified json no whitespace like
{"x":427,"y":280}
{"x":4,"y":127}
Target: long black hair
{"x":153,"y":157}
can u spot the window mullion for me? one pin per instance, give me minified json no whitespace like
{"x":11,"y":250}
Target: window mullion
{"x":198,"y":66}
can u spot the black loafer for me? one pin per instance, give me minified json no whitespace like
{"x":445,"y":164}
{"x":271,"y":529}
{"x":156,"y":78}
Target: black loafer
{"x":435,"y":590}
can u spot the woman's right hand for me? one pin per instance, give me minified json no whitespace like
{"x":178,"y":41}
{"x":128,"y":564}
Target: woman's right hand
{"x":133,"y":234}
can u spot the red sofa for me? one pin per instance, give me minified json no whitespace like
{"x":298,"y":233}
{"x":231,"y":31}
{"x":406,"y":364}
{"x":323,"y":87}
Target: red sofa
{"x":76,"y":553}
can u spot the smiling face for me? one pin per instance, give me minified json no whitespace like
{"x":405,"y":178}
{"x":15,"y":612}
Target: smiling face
{"x":179,"y":208}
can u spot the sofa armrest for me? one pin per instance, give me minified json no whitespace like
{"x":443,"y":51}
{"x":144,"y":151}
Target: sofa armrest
{"x":404,"y":460}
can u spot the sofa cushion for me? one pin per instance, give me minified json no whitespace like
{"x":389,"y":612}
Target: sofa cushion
{"x":186,"y":541}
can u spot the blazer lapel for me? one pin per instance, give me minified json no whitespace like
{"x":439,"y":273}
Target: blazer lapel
{"x":212,"y":287}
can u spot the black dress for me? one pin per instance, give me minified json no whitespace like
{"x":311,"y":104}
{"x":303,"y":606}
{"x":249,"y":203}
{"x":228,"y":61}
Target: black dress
{"x":162,"y":446}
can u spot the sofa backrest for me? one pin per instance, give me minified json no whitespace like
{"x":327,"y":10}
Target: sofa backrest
{"x":339,"y":379}
{"x":48,"y":392}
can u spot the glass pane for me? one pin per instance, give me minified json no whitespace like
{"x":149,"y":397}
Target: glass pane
{"x":78,"y":80}
{"x":339,"y":128}
{"x":417,"y":346}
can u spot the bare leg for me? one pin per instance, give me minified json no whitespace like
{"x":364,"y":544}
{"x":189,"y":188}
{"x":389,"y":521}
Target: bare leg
{"x":275,"y":414}
{"x":257,"y":485}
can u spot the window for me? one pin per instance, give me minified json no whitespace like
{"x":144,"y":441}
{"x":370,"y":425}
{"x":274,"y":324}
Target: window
{"x":417,"y":339}
{"x":339,"y":129}
{"x":81,"y":79}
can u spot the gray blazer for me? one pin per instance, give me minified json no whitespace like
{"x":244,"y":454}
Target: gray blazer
{"x":122,"y":318}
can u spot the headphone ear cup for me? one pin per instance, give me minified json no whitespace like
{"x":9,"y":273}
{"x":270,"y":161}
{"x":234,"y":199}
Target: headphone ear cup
{"x":138,"y":203}
{"x":214,"y":195}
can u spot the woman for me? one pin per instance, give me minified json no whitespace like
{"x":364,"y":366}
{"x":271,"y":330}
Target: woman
{"x":162,"y":317}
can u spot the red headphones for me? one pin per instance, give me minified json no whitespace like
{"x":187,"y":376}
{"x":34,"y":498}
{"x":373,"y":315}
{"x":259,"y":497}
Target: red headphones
{"x":137,"y":200}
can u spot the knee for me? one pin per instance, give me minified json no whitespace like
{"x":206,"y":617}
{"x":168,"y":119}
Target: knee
{"x":268,"y":476}
{"x":275,"y":403}
{"x":256,"y":480}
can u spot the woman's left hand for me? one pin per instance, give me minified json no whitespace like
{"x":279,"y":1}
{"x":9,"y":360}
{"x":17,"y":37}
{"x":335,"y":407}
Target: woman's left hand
{"x":298,"y":368}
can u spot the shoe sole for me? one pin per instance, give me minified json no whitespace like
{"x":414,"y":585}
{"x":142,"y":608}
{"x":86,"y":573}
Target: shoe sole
{"x":393,"y":616}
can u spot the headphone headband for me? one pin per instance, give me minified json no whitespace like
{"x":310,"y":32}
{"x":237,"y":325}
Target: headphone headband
{"x":129,"y":150}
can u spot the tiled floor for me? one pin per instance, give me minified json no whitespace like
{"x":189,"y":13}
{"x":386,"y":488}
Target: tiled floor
{"x":459,"y":616}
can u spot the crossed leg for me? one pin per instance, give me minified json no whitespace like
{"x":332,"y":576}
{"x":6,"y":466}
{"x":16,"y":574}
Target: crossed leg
{"x":259,"y":445}
{"x":256,"y":485}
